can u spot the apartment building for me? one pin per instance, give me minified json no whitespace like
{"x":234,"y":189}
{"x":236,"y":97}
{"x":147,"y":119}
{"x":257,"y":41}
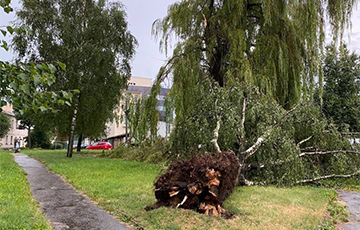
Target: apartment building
{"x":139,"y":87}
{"x":15,"y":134}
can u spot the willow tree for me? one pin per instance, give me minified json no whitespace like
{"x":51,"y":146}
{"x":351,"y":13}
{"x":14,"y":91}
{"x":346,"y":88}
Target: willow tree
{"x":227,"y":54}
{"x":92,"y":39}
{"x":274,"y":44}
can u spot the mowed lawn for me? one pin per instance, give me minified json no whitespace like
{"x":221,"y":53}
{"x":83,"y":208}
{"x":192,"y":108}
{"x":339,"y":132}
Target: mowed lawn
{"x":125,"y":188}
{"x":18,"y":210}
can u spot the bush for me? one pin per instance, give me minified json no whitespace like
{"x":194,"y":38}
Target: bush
{"x":157,"y":152}
{"x":57,"y":145}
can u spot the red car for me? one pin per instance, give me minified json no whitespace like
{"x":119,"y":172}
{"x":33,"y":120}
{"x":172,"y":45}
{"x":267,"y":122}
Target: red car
{"x":100,"y":145}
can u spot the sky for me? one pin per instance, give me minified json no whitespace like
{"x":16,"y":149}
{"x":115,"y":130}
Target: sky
{"x":140,"y":16}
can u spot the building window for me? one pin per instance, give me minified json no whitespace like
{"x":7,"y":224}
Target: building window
{"x":6,"y":140}
{"x":11,"y":140}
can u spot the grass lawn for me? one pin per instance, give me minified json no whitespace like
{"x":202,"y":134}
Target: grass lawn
{"x":124,"y":188}
{"x":18,"y":210}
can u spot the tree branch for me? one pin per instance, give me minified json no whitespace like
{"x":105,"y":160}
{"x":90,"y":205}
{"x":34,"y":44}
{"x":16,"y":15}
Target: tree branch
{"x":250,"y":151}
{"x":307,"y":149}
{"x":350,"y":133}
{"x":305,"y":140}
{"x":343,"y":133}
{"x":327,"y":177}
{"x":242,"y":128}
{"x":216,"y":130}
{"x":327,"y":152}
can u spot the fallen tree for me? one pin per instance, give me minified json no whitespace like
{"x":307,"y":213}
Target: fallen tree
{"x":236,"y":84}
{"x":268,"y":145}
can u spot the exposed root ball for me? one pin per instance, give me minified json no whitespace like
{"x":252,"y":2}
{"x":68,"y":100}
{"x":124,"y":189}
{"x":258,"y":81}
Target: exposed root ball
{"x":201,"y":183}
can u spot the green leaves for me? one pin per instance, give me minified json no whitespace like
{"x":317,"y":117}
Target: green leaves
{"x":4,"y":123}
{"x":5,"y":4}
{"x":10,"y":29}
{"x":26,"y":85}
{"x":342,"y":88}
{"x":92,"y":62}
{"x":62,"y":65}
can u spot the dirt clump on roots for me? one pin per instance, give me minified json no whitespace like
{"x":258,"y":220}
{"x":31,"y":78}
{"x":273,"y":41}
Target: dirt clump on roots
{"x":201,"y":183}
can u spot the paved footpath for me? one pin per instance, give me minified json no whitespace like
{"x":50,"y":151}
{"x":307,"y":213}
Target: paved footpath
{"x":64,"y":207}
{"x":352,"y":200}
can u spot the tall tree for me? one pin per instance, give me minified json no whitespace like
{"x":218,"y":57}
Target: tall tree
{"x":274,"y":44}
{"x":233,"y":59}
{"x":342,"y":87}
{"x":92,"y":39}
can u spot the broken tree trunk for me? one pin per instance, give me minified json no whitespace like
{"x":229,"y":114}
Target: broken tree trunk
{"x":201,"y":183}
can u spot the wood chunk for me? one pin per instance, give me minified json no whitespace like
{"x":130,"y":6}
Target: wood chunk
{"x":173,"y":193}
{"x":213,"y":194}
{"x":199,"y":191}
{"x":214,"y":181}
{"x":210,"y":173}
{"x":182,"y":202}
{"x":193,"y":189}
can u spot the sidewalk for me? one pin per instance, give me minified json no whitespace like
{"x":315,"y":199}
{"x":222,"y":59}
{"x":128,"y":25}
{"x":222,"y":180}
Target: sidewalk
{"x":64,"y":207}
{"x":352,"y":200}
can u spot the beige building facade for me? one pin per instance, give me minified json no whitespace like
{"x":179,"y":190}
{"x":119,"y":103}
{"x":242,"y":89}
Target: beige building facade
{"x":139,"y":87}
{"x":116,"y":131}
{"x":14,"y":134}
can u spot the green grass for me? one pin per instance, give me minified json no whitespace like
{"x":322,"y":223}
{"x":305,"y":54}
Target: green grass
{"x":18,"y":210}
{"x":347,"y":184}
{"x":124,"y":188}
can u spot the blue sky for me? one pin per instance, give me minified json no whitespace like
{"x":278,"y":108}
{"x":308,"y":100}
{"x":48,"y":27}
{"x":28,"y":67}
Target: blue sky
{"x":141,"y":15}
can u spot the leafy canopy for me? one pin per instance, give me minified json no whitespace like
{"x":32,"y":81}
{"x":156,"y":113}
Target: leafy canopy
{"x":25,"y":84}
{"x":275,"y":45}
{"x":92,"y":39}
{"x":342,"y":87}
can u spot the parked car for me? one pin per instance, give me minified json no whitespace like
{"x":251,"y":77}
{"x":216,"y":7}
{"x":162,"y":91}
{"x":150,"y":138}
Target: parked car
{"x":101,"y":145}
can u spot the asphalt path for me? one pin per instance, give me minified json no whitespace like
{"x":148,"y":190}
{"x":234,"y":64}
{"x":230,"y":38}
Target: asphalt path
{"x":64,"y":207}
{"x":352,"y":200}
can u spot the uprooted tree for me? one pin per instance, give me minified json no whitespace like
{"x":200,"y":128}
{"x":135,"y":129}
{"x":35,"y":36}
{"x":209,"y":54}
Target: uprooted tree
{"x":243,"y":79}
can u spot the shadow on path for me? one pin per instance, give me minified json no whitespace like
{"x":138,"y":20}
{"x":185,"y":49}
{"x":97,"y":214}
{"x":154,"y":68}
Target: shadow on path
{"x":352,"y":200}
{"x":64,"y":207}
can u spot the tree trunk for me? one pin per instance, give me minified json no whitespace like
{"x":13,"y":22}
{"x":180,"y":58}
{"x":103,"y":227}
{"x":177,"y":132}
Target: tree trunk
{"x":29,"y":138}
{"x":78,"y":147}
{"x":71,"y":135}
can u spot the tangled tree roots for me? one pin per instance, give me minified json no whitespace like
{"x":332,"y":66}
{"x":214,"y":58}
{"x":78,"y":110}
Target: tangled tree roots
{"x":201,"y":183}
